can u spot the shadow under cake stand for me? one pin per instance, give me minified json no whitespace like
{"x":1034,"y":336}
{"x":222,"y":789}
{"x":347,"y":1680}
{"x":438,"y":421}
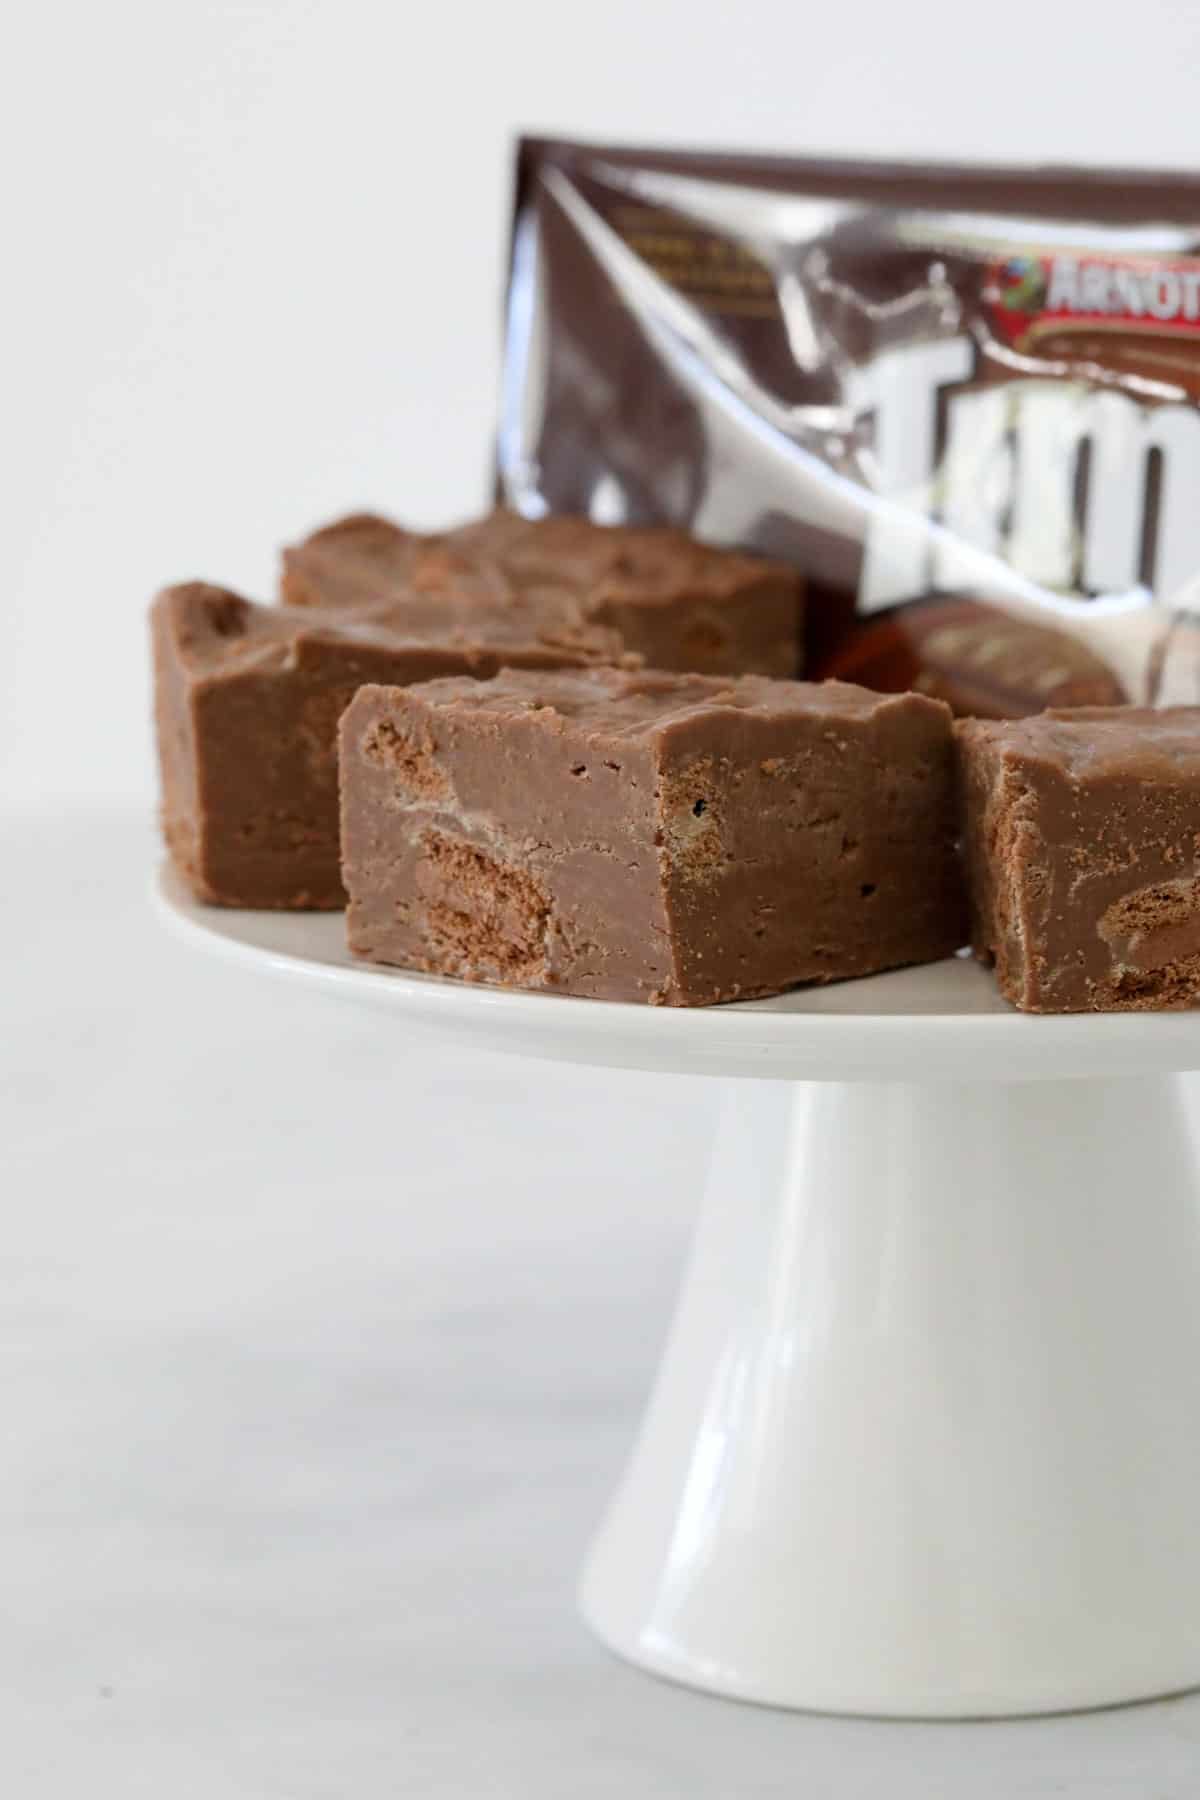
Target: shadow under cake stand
{"x":925,"y":1440}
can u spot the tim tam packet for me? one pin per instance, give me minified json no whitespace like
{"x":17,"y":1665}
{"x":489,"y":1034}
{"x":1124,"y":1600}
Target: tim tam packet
{"x":965,"y":402}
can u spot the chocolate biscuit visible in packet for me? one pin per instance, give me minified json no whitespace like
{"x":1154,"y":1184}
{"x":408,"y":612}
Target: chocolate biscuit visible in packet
{"x":965,"y":402}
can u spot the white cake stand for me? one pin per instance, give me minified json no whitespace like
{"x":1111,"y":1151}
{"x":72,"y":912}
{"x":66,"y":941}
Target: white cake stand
{"x":926,"y":1435}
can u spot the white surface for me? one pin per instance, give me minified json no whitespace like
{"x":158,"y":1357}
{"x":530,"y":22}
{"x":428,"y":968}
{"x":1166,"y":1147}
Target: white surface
{"x":915,"y":1446}
{"x":258,"y":252}
{"x":938,"y":1022}
{"x":306,"y":1428}
{"x":924,"y":1441}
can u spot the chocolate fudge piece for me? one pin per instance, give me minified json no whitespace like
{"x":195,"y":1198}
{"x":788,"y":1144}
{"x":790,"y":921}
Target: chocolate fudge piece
{"x":667,"y":838}
{"x":247,"y":704}
{"x":983,"y":662}
{"x":677,"y":604}
{"x":1082,"y":836}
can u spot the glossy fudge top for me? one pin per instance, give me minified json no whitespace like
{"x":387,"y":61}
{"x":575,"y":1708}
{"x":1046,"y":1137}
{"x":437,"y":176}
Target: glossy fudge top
{"x":506,"y":554}
{"x":1097,"y":743}
{"x":641,"y":559}
{"x":641,"y":705}
{"x":216,"y":631}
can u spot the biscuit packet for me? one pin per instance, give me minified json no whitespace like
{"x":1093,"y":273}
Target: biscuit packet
{"x":965,"y":402}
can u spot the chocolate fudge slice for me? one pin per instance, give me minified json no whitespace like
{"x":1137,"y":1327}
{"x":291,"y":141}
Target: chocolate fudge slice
{"x":247,"y":704}
{"x":983,"y":663}
{"x":677,"y":604}
{"x":1082,"y":837}
{"x":368,"y":561}
{"x":666,"y":838}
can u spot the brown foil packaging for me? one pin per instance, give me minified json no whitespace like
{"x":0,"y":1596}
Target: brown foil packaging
{"x":965,"y":402}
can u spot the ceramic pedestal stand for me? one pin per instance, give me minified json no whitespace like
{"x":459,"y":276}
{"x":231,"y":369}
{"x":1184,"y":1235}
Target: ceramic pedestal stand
{"x":926,"y":1436}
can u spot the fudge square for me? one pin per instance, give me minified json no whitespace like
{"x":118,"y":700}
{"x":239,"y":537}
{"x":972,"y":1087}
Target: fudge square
{"x":677,"y":603}
{"x":247,"y":703}
{"x":1082,"y":837}
{"x":674,"y":839}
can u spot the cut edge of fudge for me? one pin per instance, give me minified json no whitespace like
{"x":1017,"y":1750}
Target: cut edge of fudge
{"x":1081,"y":839}
{"x":246,"y":714}
{"x":247,"y":699}
{"x":672,"y":839}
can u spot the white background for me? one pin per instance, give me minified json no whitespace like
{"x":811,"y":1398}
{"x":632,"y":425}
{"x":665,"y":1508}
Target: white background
{"x":254,"y":248}
{"x":314,"y":1377}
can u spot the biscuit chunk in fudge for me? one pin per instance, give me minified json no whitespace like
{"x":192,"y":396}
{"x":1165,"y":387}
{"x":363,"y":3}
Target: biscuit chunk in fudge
{"x":1082,"y":836}
{"x":665,"y":838}
{"x":247,"y":703}
{"x":677,"y":603}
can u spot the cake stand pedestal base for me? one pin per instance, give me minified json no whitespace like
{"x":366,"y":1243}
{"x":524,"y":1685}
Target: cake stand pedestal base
{"x":926,"y":1435}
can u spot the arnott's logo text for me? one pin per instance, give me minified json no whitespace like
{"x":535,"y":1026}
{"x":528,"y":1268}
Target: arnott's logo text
{"x":1031,"y":295}
{"x":1080,"y":286}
